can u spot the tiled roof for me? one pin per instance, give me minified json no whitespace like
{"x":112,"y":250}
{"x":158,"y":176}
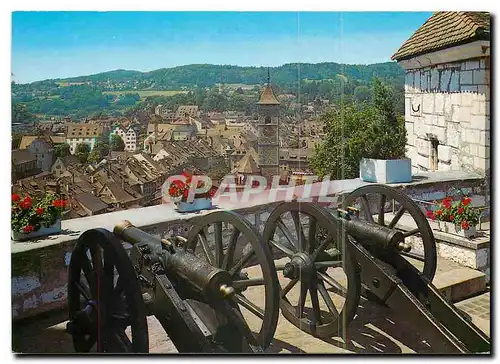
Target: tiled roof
{"x":267,"y":97}
{"x":247,"y":165}
{"x":22,"y":156}
{"x":91,"y":202}
{"x":445,"y":29}
{"x":119,"y":193}
{"x":83,"y":130}
{"x":26,"y":140}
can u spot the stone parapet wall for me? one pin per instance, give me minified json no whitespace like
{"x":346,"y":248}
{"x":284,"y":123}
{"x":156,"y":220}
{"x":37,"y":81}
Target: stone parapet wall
{"x":450,"y":102}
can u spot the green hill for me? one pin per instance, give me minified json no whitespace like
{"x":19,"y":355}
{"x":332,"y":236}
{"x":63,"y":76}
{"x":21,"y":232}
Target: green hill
{"x":84,"y":95}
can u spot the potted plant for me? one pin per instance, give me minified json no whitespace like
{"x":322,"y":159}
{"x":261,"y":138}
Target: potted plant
{"x":458,"y":218}
{"x":179,"y":192}
{"x":30,"y":219}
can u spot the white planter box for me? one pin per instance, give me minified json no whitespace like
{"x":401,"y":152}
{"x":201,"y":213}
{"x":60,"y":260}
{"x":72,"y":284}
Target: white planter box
{"x":451,"y":228}
{"x":385,"y":171}
{"x":44,"y":231}
{"x":197,"y":205}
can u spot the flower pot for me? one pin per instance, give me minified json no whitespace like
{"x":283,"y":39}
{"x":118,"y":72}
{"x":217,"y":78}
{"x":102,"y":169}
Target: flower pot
{"x":196,"y":205}
{"x":385,"y":171}
{"x":43,"y":231}
{"x":451,"y":228}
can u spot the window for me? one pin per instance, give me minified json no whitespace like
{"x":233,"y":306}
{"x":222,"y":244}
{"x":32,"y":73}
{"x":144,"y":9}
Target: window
{"x":434,"y":154}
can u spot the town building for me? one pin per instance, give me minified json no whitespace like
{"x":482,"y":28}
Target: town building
{"x":43,"y":150}
{"x":24,"y":164}
{"x":129,"y":136}
{"x":26,"y":140}
{"x":268,"y":138}
{"x":447,"y":92}
{"x":83,"y":133}
{"x":188,"y":110}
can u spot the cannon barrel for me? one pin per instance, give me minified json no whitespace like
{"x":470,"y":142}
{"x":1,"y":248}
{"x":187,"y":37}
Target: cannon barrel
{"x":214,"y":283}
{"x":370,"y":233}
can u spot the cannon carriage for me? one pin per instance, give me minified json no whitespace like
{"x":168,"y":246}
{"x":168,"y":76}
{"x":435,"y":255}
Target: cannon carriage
{"x":221,"y":288}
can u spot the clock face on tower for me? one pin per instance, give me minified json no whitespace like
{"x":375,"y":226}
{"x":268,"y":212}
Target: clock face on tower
{"x":268,"y":134}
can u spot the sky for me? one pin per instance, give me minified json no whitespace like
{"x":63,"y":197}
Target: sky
{"x":65,"y":44}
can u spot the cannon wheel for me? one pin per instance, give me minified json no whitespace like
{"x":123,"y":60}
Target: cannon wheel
{"x":221,"y":254}
{"x":104,"y":297}
{"x":362,"y":197}
{"x":321,"y":262}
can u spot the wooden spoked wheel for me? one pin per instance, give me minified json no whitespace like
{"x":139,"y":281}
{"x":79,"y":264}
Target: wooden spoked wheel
{"x":106,"y":310}
{"x":319,"y":276}
{"x":228,"y":241}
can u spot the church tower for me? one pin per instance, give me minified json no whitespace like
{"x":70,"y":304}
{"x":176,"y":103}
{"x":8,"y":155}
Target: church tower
{"x":268,"y":138}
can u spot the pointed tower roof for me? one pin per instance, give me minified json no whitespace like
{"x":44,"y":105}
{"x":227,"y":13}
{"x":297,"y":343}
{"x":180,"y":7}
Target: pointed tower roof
{"x":267,"y":96}
{"x":247,"y":165}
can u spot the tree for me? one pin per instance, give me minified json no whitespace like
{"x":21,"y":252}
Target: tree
{"x":20,"y":114}
{"x":16,"y":140}
{"x":100,"y":150}
{"x":82,"y":152}
{"x":117,"y":144}
{"x":62,"y":150}
{"x":392,"y":128}
{"x":371,"y":130}
{"x":362,"y":93}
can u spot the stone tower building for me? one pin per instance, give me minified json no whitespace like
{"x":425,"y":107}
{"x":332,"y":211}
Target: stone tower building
{"x":447,"y":93}
{"x":268,"y":137}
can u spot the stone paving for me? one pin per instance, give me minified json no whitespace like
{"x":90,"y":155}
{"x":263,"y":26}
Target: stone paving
{"x":479,"y":310}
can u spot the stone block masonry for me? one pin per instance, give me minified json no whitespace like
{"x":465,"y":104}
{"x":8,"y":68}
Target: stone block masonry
{"x":449,"y":102}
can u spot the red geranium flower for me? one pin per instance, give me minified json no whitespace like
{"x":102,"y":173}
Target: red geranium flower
{"x":460,"y":210}
{"x":178,"y":183}
{"x":28,"y":229}
{"x":439,"y":212}
{"x":15,"y":197}
{"x":26,"y":203}
{"x":466,"y":201}
{"x":212,"y":192}
{"x":429,"y":213}
{"x":39,"y":211}
{"x":465,"y":225}
{"x":452,"y":217}
{"x":188,"y":177}
{"x":185,"y":194}
{"x":59,"y":203}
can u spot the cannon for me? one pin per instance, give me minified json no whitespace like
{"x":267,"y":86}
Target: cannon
{"x":194,"y":290}
{"x":362,"y":248}
{"x":221,"y":288}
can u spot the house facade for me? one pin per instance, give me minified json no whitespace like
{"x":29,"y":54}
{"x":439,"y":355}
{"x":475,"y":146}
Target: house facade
{"x":129,"y":136}
{"x":43,"y":150}
{"x":83,"y":134}
{"x":447,"y":93}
